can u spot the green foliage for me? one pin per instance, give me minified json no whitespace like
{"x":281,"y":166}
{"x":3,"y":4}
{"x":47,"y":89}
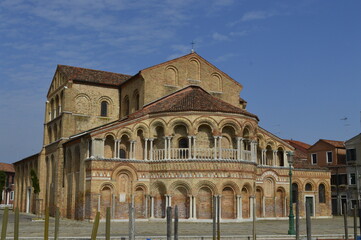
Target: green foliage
{"x":2,"y":183}
{"x":35,"y":181}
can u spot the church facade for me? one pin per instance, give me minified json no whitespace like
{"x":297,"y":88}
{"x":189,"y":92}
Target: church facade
{"x":175,"y":134}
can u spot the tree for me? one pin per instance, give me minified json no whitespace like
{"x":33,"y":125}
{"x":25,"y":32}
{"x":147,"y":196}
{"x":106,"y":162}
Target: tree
{"x":2,"y":183}
{"x":35,"y":181}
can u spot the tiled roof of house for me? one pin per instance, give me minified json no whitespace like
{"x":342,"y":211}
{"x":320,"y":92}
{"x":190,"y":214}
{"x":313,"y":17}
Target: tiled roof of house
{"x":191,"y":98}
{"x":337,"y":144}
{"x":92,"y":76}
{"x":6,"y":167}
{"x":298,"y":144}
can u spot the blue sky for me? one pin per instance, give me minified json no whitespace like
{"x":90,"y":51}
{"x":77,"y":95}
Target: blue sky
{"x":299,"y":61}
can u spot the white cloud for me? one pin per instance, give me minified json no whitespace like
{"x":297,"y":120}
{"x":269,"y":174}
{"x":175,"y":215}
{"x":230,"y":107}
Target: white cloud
{"x":219,"y":37}
{"x":256,"y":15}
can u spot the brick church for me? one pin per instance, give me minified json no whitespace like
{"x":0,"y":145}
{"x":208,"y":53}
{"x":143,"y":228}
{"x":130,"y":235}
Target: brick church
{"x":174,"y":134}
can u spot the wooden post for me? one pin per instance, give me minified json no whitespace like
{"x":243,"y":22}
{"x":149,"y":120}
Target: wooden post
{"x":46,"y":224}
{"x":107,"y":224}
{"x":214,"y":217}
{"x":218,"y":218}
{"x":95,"y":227}
{"x":5,"y":223}
{"x":16,"y":224}
{"x":297,"y":220}
{"x":131,"y":222}
{"x":169,"y":223}
{"x":355,"y":222}
{"x":56,"y":231}
{"x":308,"y":221}
{"x":176,"y":223}
{"x":345,"y":221}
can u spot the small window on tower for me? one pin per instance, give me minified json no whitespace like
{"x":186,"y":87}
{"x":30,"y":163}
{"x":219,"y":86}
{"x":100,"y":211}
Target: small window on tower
{"x":104,"y":109}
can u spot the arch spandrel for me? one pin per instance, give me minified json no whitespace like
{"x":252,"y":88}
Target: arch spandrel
{"x":205,"y":183}
{"x":180,"y":183}
{"x":158,"y":122}
{"x":122,"y":167}
{"x":125,"y":131}
{"x":206,"y":121}
{"x":141,"y":126}
{"x":232,"y":185}
{"x":229,"y":122}
{"x":181,"y":121}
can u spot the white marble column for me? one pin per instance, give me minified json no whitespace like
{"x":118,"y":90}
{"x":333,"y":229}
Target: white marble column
{"x":99,"y":203}
{"x":151,"y":148}
{"x":239,"y":207}
{"x":253,"y":151}
{"x":274,"y":162}
{"x":169,"y":147}
{"x":220,"y":206}
{"x":146,"y":205}
{"x":263,"y":206}
{"x":190,"y":207}
{"x":251,"y":205}
{"x":131,"y":150}
{"x":189,"y":147}
{"x":239,"y":149}
{"x":220,"y":147}
{"x":165,"y":148}
{"x":194,"y":148}
{"x":215,"y":147}
{"x":194,"y":207}
{"x":151,"y":206}
{"x":145,"y":149}
{"x":134,"y":149}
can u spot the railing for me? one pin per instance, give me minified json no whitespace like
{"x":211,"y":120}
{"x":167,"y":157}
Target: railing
{"x":247,"y":155}
{"x":158,"y":154}
{"x":179,"y":153}
{"x":200,"y":153}
{"x":204,"y":153}
{"x":229,"y":154}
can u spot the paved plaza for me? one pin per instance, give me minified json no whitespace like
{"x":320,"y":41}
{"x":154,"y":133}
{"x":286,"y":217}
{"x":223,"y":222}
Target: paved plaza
{"x":276,"y":229}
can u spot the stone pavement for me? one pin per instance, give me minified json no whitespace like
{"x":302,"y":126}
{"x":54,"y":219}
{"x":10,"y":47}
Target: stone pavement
{"x":276,"y":229}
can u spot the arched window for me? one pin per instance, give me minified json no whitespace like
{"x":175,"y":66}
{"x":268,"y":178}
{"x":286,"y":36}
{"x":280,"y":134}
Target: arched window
{"x":308,"y":187}
{"x":183,"y":143}
{"x":322,"y":193}
{"x":126,"y":105}
{"x":294,"y":192}
{"x":136,"y":100}
{"x":122,"y":154}
{"x":104,"y":108}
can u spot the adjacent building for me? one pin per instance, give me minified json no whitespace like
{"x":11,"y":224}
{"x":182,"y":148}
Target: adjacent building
{"x":174,"y":134}
{"x":331,"y":154}
{"x":353,"y":159}
{"x":9,"y":187}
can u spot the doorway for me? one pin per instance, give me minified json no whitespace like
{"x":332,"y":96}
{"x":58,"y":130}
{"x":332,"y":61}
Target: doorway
{"x":310,"y":201}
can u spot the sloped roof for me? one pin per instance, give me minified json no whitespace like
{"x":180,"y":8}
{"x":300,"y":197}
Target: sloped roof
{"x":190,"y":98}
{"x":298,"y":144}
{"x":337,"y":144}
{"x":92,"y":76}
{"x":6,"y":167}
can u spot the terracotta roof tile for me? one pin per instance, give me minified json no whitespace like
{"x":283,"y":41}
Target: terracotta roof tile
{"x":6,"y":167}
{"x":338,"y":144}
{"x":298,"y":144}
{"x":92,"y":76}
{"x":191,"y":98}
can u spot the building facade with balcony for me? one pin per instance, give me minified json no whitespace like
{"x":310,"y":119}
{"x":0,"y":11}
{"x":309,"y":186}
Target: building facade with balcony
{"x":175,"y":134}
